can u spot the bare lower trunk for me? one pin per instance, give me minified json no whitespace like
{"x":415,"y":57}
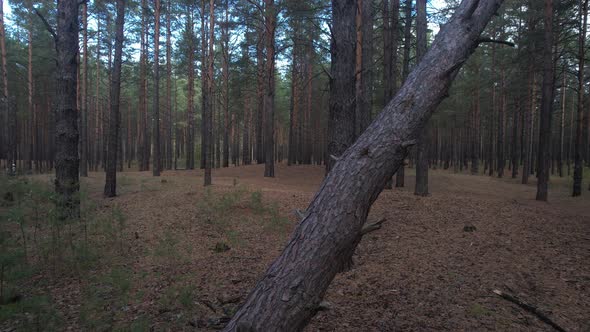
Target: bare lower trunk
{"x":67,"y":183}
{"x":289,"y":293}
{"x":269,"y":96}
{"x":342,"y":85}
{"x":110,"y":187}
{"x":544,"y":150}
{"x":156,"y":118}
{"x":421,"y":188}
{"x":578,"y":145}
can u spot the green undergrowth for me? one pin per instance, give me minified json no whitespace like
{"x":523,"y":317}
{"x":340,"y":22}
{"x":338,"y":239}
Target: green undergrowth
{"x":38,"y":247}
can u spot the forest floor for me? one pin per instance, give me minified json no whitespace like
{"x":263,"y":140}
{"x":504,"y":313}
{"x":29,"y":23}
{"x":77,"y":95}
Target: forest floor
{"x":183,"y":257}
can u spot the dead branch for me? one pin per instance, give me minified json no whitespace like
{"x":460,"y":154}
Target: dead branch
{"x":368,"y":228}
{"x":530,"y":308}
{"x":47,"y":25}
{"x":490,"y":40}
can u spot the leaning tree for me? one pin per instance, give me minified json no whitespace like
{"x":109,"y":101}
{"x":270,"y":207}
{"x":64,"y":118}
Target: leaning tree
{"x":289,"y":293}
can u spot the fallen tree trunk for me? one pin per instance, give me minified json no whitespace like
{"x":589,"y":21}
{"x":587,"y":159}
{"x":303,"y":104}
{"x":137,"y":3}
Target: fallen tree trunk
{"x":290,"y":292}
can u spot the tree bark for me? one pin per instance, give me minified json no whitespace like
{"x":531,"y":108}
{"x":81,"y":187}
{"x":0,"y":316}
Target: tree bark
{"x":208,"y":119}
{"x":579,"y":144}
{"x":67,"y":182}
{"x":269,"y":97}
{"x":342,"y":82}
{"x":560,"y":152}
{"x":156,"y":111}
{"x":190,"y":112}
{"x":8,"y":105}
{"x":225,"y":74}
{"x":84,"y":97}
{"x":289,"y":293}
{"x":110,"y":187}
{"x":168,"y":86}
{"x":544,"y":150}
{"x":260,"y":80}
{"x":364,"y":63}
{"x":421,"y":188}
{"x":400,"y":176}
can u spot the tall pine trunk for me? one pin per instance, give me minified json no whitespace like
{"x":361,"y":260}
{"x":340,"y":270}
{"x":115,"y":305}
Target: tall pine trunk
{"x":110,"y":187}
{"x":269,"y":97}
{"x":342,"y":82}
{"x":544,"y":149}
{"x":156,"y":111}
{"x":67,"y":182}
{"x":579,"y":144}
{"x":421,"y":188}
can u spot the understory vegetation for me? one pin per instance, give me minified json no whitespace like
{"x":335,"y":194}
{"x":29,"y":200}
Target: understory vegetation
{"x":40,"y":252}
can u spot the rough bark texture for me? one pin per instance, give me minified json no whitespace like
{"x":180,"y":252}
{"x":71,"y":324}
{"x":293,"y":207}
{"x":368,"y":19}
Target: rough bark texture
{"x":168,"y":87}
{"x":208,"y":119}
{"x":269,"y":95}
{"x":400,"y":174}
{"x":421,"y":188}
{"x":544,"y":151}
{"x":190,"y":112}
{"x":110,"y":187}
{"x":67,"y":182}
{"x":84,"y":97}
{"x":259,"y":145}
{"x":8,"y":106}
{"x":579,"y":144}
{"x":289,"y":293}
{"x":156,"y":117}
{"x":364,"y":71}
{"x":225,"y":74}
{"x":342,"y":82}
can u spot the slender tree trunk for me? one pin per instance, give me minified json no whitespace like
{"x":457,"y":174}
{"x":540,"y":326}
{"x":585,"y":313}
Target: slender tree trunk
{"x":156,"y":117}
{"x":225,"y":74}
{"x":544,"y":150}
{"x":110,"y":187}
{"x":528,"y":130}
{"x":421,"y":188}
{"x":246,"y":155}
{"x":579,"y":145}
{"x":30,"y":88}
{"x":209,"y":111}
{"x":97,"y":107}
{"x":289,"y":293}
{"x":515,"y":141}
{"x":67,"y":182}
{"x":204,"y":87}
{"x":560,"y":152}
{"x":500,"y":139}
{"x":84,"y":92}
{"x":168,"y":86}
{"x":7,"y":104}
{"x":475,"y":148}
{"x":269,"y":97}
{"x":400,"y":175}
{"x":260,"y":82}
{"x":190,"y":128}
{"x":342,"y":84}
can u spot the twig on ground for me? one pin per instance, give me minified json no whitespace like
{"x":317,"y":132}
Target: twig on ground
{"x":530,"y":308}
